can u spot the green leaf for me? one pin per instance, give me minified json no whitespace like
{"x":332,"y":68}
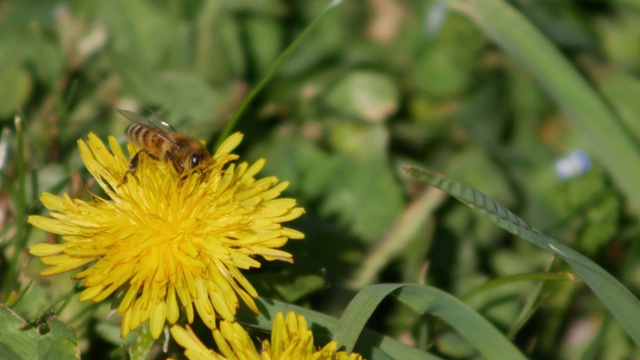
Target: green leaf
{"x":608,"y":138}
{"x":46,"y":339}
{"x":294,"y":159}
{"x":16,"y":86}
{"x":363,"y":191}
{"x":620,"y":301}
{"x":357,"y":185}
{"x":437,"y":73}
{"x":425,"y":299}
{"x":368,"y":95}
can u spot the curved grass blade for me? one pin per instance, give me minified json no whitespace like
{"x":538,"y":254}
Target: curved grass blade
{"x":359,"y":311}
{"x":620,"y":301}
{"x":272,"y":71}
{"x":611,"y":143}
{"x":324,"y":325}
{"x":425,"y":299}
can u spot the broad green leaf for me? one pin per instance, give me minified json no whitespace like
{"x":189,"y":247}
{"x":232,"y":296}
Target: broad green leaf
{"x":294,"y":159}
{"x":356,"y":183}
{"x":447,"y":64}
{"x":16,"y":85}
{"x":367,"y":95}
{"x":598,"y":124}
{"x":45,"y":339}
{"x":436,"y":72}
{"x":620,"y":301}
{"x":363,"y":191}
{"x":427,"y":300}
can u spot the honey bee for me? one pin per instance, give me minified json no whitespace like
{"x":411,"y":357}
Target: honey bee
{"x":180,"y":150}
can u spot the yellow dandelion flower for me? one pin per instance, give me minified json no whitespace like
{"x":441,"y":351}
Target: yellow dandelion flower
{"x":169,"y":242}
{"x":290,"y":339}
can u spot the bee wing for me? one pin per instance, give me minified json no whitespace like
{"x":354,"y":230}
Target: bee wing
{"x":131,"y":116}
{"x":139,"y":119}
{"x":156,"y":120}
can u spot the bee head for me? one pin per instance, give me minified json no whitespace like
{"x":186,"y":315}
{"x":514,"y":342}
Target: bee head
{"x":197,"y":158}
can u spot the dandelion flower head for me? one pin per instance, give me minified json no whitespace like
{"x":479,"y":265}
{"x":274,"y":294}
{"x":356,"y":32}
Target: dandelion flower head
{"x":291,"y":339}
{"x":168,"y":242}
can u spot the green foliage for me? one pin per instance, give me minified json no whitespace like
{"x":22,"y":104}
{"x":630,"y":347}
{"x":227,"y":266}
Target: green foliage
{"x":622,"y":303}
{"x":338,"y":100}
{"x":43,"y":338}
{"x":423,"y":299}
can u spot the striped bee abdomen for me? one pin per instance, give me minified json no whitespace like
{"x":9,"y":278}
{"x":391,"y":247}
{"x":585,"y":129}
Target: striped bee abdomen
{"x":146,"y":138}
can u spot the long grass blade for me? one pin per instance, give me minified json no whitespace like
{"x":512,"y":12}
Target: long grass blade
{"x":20,"y":238}
{"x":425,"y":299}
{"x":272,"y":71}
{"x":603,"y":130}
{"x":616,"y":297}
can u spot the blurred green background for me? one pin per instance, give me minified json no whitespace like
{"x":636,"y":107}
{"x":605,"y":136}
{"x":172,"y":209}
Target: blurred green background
{"x":377,"y":86}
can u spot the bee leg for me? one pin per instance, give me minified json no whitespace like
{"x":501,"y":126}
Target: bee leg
{"x":192,"y":173}
{"x":133,"y":164}
{"x":172,"y":159}
{"x":135,"y":161}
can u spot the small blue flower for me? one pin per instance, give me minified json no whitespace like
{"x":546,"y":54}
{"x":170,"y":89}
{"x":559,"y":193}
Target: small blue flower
{"x":573,"y":164}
